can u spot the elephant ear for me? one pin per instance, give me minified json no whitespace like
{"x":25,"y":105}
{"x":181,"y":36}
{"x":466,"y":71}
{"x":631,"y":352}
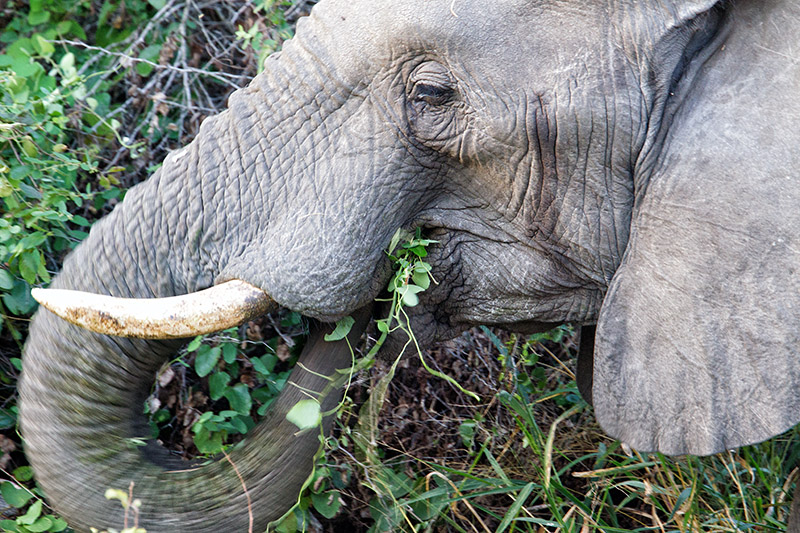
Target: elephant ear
{"x":698,"y":341}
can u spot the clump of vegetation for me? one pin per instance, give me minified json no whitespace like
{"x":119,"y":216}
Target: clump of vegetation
{"x":37,"y":517}
{"x":204,"y":401}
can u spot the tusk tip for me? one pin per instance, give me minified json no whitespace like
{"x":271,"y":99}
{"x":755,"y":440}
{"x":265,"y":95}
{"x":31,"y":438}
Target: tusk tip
{"x":40,"y":295}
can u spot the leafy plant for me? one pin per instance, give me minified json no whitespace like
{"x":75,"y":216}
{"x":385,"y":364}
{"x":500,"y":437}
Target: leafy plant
{"x":35,"y":518}
{"x":238,"y":378}
{"x":40,"y":176}
{"x":265,"y":36}
{"x":131,"y":506}
{"x":411,"y":276}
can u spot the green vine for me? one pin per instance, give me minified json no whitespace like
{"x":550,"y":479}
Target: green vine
{"x":412,"y":276}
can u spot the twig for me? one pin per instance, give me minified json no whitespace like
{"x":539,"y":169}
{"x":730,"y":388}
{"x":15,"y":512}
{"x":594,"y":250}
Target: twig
{"x":164,"y":12}
{"x":222,"y":77}
{"x":246,"y":492}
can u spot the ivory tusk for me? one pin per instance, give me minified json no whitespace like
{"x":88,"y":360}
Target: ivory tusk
{"x":223,"y":306}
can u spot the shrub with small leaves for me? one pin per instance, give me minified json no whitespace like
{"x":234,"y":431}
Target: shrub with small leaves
{"x":33,"y":515}
{"x":237,"y":379}
{"x":43,"y":181}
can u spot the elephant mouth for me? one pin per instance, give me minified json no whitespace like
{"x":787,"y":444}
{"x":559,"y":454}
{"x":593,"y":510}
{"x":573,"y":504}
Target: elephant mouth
{"x":220,"y":307}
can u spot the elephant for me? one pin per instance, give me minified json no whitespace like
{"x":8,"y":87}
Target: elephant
{"x":627,"y":166}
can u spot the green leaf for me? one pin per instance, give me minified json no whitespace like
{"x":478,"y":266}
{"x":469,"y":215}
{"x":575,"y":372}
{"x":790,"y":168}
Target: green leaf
{"x":43,"y":47}
{"x":206,"y":360}
{"x":67,"y":62}
{"x":44,"y":275}
{"x":29,"y":265}
{"x":419,"y":251}
{"x":42,"y":524}
{"x":80,"y":221}
{"x":59,"y":524}
{"x":38,"y":17}
{"x":33,"y":241}
{"x":218,"y":384}
{"x":409,"y":294}
{"x":327,"y":504}
{"x":343,"y":327}
{"x":513,"y":511}
{"x":305,"y":414}
{"x":265,"y":364}
{"x":149,"y":53}
{"x":34,"y":512}
{"x":19,"y":300}
{"x":6,"y":280}
{"x":422,"y":279}
{"x":239,"y":425}
{"x":239,"y":398}
{"x":195,"y":344}
{"x":23,"y":474}
{"x":229,"y":352}
{"x":9,"y":525}
{"x":398,"y":235}
{"x":422,"y":267}
{"x":8,"y":419}
{"x":205,"y":417}
{"x":467,"y":432}
{"x":14,"y":496}
{"x":207,"y":442}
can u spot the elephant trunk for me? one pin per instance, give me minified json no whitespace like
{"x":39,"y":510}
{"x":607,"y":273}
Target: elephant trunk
{"x":226,"y":207}
{"x":82,"y":394}
{"x":82,"y":418}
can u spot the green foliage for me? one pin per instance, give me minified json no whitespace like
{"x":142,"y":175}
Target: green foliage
{"x":305,"y":414}
{"x":220,"y":365}
{"x":33,"y":516}
{"x":412,"y":276}
{"x":264,"y":39}
{"x":44,"y":170}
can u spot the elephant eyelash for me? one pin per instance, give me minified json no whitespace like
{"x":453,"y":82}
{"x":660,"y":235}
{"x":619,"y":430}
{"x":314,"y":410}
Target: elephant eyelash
{"x":432,"y":94}
{"x":431,"y":83}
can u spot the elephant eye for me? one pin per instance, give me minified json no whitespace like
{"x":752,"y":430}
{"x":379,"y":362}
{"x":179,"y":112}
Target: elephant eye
{"x":431,"y":84}
{"x":432,"y":94}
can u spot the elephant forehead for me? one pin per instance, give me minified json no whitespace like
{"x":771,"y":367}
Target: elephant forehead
{"x":533,"y":32}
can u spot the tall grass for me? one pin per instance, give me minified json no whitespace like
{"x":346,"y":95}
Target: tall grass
{"x":532,"y":458}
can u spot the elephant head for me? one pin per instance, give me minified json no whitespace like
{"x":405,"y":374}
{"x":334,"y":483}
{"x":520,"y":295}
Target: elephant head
{"x":610,"y":163}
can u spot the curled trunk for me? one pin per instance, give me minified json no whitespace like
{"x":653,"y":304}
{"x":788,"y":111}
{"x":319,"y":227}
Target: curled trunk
{"x":82,"y":412}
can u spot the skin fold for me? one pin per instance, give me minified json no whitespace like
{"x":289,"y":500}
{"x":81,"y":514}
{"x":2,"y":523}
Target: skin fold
{"x":610,"y":163}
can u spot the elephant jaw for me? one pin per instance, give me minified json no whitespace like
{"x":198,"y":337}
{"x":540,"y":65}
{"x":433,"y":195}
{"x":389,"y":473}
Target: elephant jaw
{"x":223,"y":306}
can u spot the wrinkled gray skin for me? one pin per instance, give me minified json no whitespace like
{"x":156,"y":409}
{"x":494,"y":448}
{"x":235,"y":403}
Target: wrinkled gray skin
{"x":629,"y":164}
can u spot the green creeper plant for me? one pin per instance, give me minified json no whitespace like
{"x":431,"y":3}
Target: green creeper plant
{"x":412,"y":275}
{"x":36,"y":518}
